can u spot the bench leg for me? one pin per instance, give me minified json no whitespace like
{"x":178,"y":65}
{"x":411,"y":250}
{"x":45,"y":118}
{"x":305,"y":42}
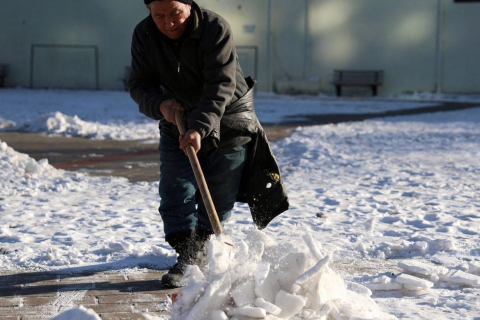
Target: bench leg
{"x":339,"y":90}
{"x":374,"y":90}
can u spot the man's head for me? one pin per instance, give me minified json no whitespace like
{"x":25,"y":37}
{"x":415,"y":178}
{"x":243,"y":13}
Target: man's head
{"x":170,"y":16}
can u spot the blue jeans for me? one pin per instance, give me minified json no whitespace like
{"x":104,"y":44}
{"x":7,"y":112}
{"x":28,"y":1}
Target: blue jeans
{"x":178,"y":187}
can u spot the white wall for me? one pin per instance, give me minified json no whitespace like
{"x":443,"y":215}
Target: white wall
{"x":461,"y":47}
{"x":397,"y":36}
{"x":248,"y":19}
{"x":107,"y":24}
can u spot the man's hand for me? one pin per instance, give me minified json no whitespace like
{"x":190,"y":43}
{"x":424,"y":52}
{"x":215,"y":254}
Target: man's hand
{"x":192,"y":137}
{"x":168,"y":107}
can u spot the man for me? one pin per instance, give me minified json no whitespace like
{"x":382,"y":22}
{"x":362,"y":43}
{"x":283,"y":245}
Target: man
{"x":183,"y":58}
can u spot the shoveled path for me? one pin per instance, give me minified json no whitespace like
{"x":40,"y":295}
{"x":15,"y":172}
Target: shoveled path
{"x":111,"y":294}
{"x":136,"y":160}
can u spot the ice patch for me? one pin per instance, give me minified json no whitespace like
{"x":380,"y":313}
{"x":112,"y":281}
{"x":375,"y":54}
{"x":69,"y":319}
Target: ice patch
{"x":410,"y":282}
{"x":439,"y":275}
{"x":384,"y":283}
{"x":413,"y":266}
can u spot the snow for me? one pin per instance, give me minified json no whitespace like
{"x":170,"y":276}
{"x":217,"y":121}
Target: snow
{"x":383,"y":218}
{"x":80,"y":313}
{"x":413,"y":283}
{"x":474,"y":267}
{"x":113,"y":115}
{"x":256,"y":281}
{"x":413,"y":266}
{"x":462,"y":278}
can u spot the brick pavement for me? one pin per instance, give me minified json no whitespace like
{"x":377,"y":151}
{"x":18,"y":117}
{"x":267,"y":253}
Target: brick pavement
{"x":111,"y":294}
{"x":115,"y":295}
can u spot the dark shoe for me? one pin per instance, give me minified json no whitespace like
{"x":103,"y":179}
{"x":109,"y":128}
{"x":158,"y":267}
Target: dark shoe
{"x":174,"y":275}
{"x":202,"y":236}
{"x":191,"y":250}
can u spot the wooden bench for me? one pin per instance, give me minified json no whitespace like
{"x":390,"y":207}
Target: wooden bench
{"x":3,"y":74}
{"x":357,"y":78}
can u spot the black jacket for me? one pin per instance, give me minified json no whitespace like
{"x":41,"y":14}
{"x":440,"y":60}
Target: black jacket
{"x":261,"y":187}
{"x":205,"y":77}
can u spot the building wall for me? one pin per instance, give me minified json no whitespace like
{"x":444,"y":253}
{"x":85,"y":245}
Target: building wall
{"x":248,"y":19}
{"x":290,"y":46}
{"x":106,"y":24}
{"x":395,"y":36}
{"x":460,"y":47}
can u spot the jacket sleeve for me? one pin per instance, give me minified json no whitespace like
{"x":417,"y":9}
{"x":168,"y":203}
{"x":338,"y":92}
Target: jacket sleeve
{"x":141,"y":84}
{"x":219,"y":60}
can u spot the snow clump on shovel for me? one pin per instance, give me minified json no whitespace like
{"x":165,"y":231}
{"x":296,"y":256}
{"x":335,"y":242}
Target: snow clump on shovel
{"x":262,"y":279}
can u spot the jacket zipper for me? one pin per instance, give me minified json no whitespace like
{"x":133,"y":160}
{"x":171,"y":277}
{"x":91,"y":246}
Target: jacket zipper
{"x":179,"y":65}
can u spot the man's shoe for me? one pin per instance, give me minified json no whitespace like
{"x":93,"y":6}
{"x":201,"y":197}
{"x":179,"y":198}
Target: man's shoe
{"x":191,"y":250}
{"x":174,"y":275}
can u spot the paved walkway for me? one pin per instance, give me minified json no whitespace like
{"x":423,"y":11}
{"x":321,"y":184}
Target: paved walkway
{"x":111,"y":294}
{"x":136,"y":160}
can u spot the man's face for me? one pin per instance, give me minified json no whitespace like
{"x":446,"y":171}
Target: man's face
{"x":171,"y":17}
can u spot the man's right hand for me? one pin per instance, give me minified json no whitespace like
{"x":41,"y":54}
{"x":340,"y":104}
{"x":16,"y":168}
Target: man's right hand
{"x":168,"y":107}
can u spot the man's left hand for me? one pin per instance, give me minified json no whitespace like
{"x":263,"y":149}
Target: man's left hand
{"x":192,"y":137}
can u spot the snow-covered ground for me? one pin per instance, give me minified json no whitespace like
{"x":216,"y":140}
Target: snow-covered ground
{"x":384,"y":209}
{"x":113,"y":115}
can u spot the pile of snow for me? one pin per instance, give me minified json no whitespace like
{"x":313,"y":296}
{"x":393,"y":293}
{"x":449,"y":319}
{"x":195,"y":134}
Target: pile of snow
{"x":20,"y":174}
{"x":80,"y":313}
{"x":55,"y":219}
{"x":262,"y":279}
{"x":6,"y":124}
{"x":72,"y":113}
{"x":59,"y":124}
{"x":22,"y":165}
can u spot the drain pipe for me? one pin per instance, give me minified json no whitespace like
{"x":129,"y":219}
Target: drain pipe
{"x":439,"y":47}
{"x":306,"y":61}
{"x":270,"y":47}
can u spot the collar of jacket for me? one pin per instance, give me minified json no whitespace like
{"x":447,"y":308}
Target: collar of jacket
{"x":197,"y":20}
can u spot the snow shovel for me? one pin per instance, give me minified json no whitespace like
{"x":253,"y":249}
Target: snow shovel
{"x":202,"y":184}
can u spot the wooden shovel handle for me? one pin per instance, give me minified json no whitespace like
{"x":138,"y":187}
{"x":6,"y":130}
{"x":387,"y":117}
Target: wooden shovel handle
{"x":202,"y":184}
